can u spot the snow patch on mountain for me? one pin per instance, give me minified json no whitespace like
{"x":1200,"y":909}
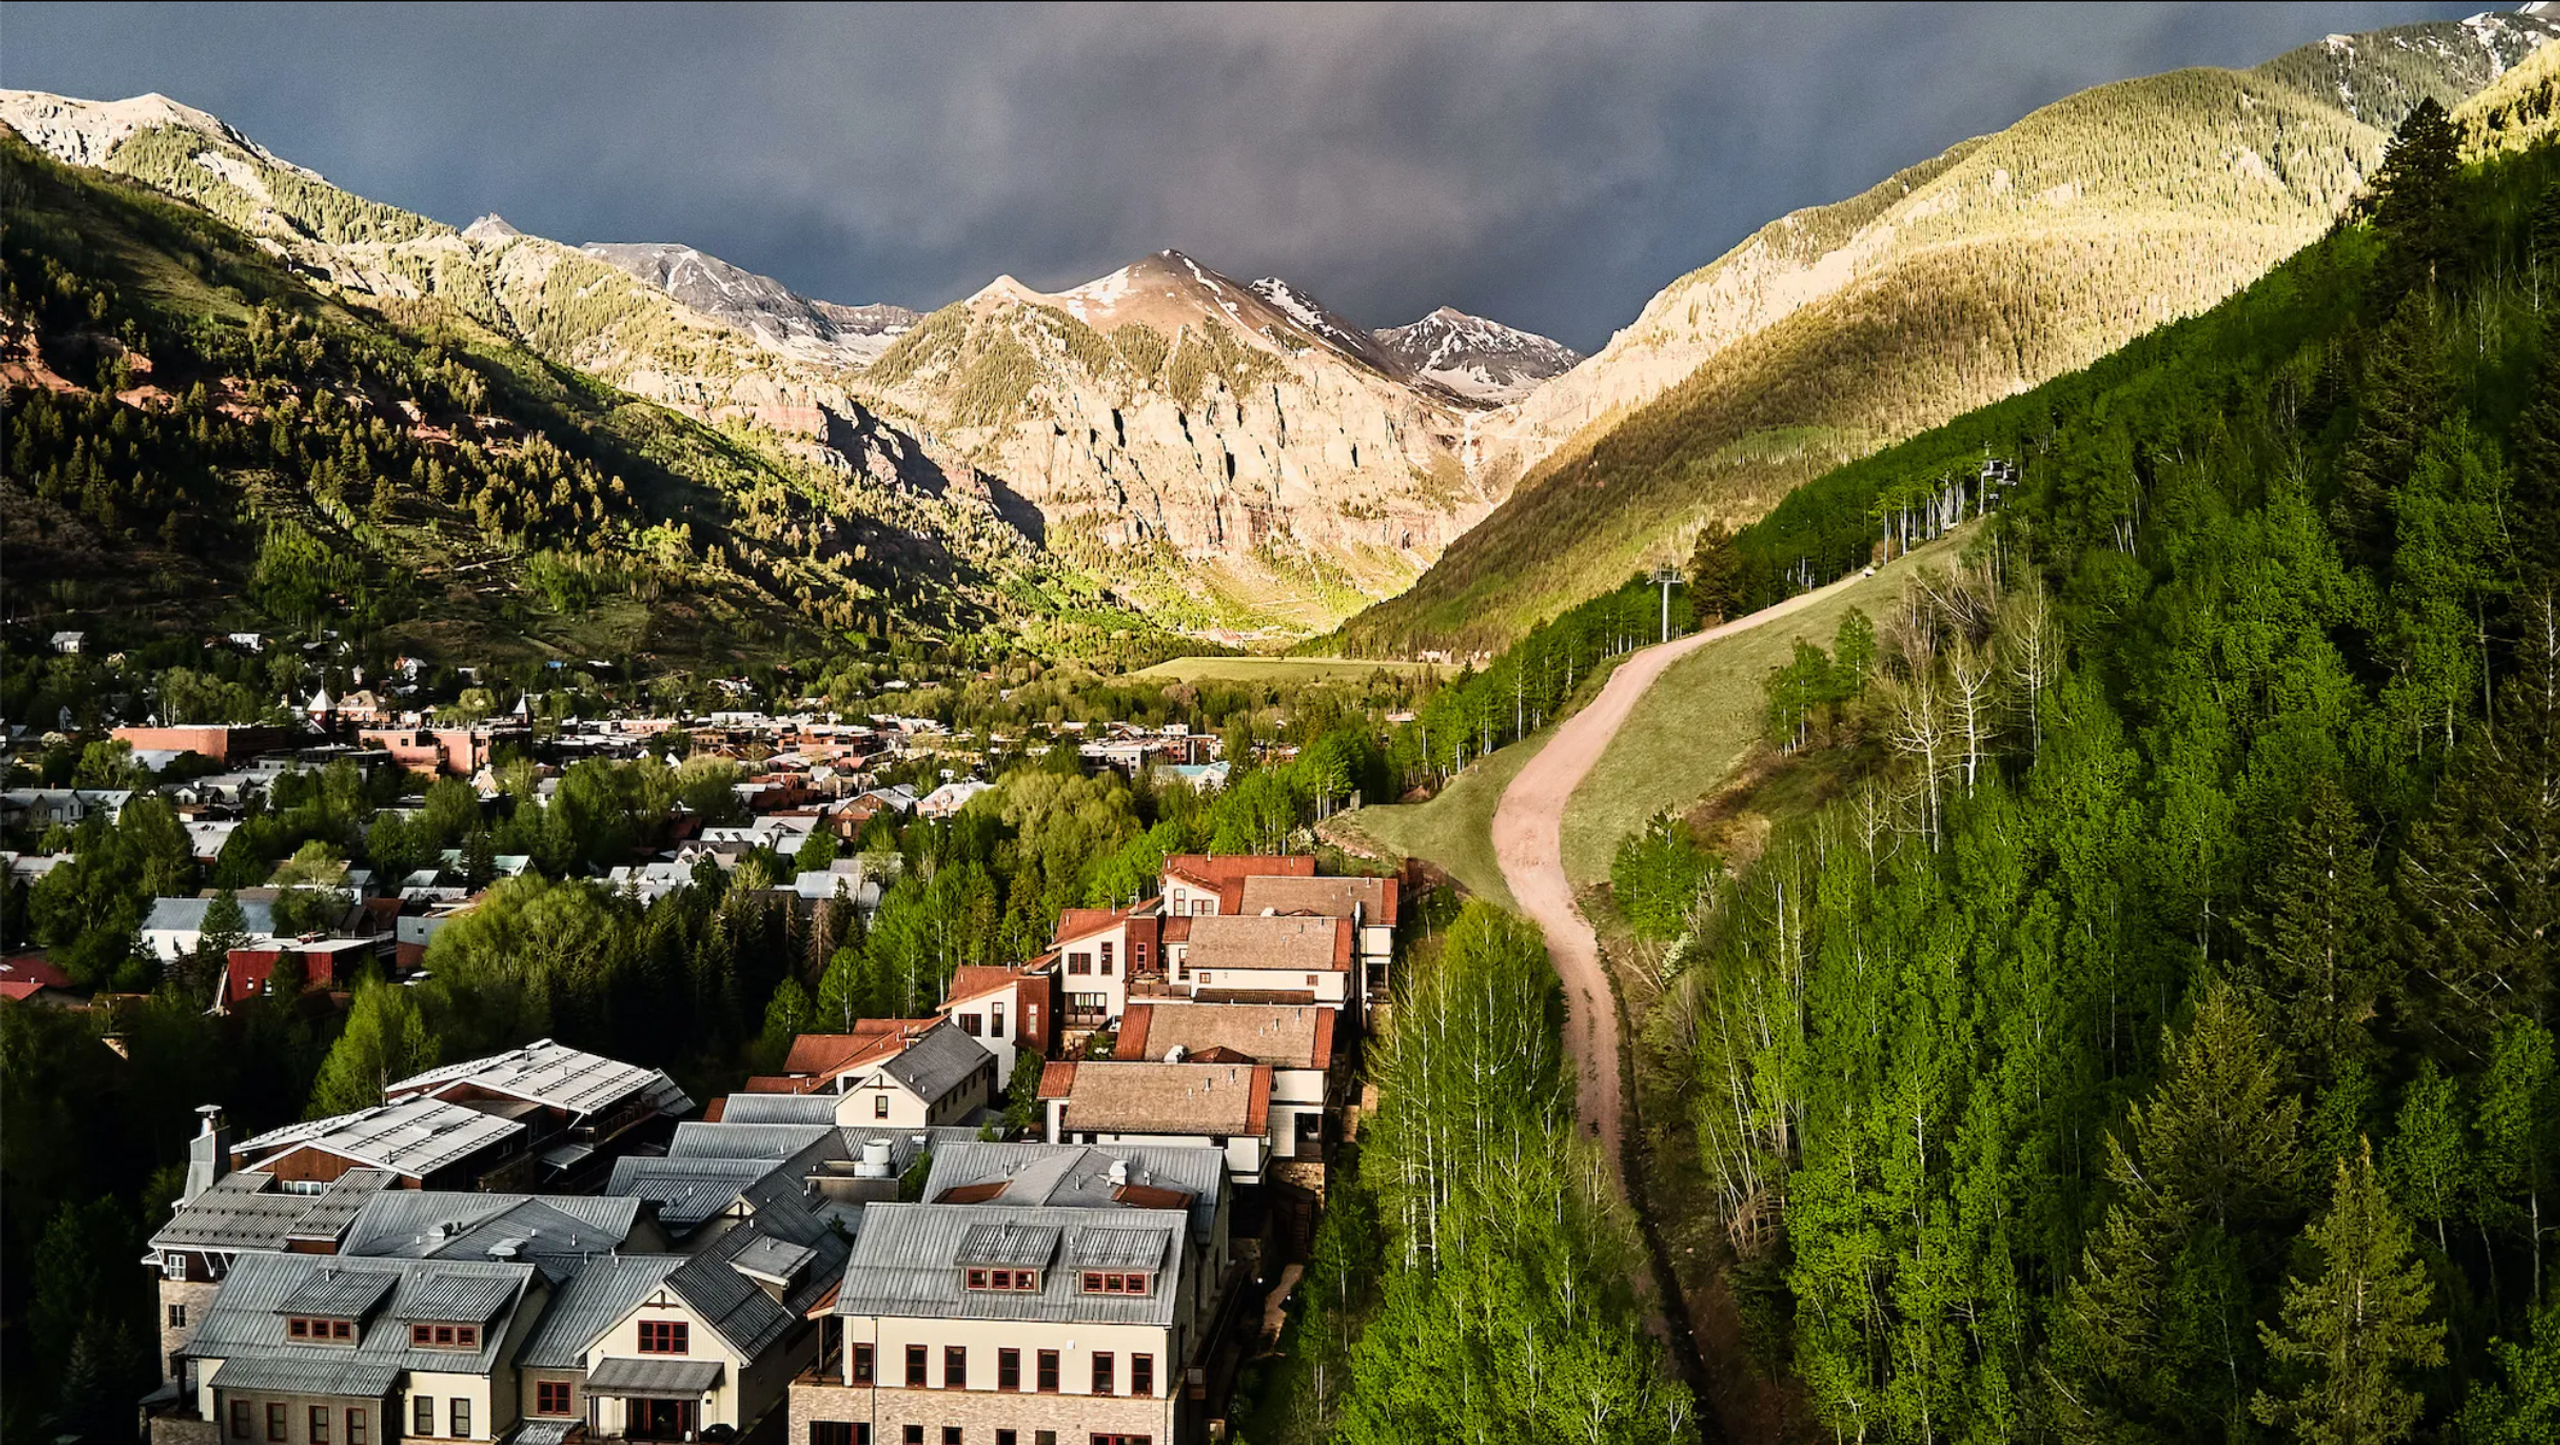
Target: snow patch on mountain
{"x":773,"y":313}
{"x":1478,"y":359}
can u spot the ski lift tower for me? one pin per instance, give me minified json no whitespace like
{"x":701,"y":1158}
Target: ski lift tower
{"x":1666,"y":578}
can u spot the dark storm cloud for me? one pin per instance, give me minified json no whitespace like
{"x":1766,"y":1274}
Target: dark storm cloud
{"x":1551,"y":167}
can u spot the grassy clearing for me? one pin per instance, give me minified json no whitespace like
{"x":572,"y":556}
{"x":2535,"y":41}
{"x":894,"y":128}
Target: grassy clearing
{"x":1454,"y":831}
{"x":1275,"y":671}
{"x":1701,"y":720}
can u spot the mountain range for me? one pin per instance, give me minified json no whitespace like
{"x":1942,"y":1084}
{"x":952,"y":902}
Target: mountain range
{"x":1234,"y":458}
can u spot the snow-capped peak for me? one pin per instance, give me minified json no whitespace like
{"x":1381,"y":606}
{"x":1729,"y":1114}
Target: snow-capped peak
{"x":1476,"y":358}
{"x":82,"y":132}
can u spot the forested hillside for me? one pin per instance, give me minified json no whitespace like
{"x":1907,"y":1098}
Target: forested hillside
{"x":1972,"y":276}
{"x":202,"y":439}
{"x":2156,"y":1042}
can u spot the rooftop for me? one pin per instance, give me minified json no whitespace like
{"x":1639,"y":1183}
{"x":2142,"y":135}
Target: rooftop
{"x":1113,"y":1097}
{"x":1372,"y":899}
{"x":908,"y":1263}
{"x":1283,"y":943}
{"x":555,"y":1076}
{"x":1285,"y":1036}
{"x":414,"y":1137}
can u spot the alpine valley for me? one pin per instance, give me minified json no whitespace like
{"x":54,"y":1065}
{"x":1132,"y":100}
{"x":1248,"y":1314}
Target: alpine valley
{"x":1165,"y":450}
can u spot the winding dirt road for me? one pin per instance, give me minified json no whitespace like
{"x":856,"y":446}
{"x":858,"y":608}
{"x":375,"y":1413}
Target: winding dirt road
{"x":1528,"y":841}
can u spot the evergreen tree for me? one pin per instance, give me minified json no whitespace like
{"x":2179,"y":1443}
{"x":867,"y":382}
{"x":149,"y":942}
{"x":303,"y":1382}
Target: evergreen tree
{"x":2534,"y":446}
{"x":2348,"y":1335}
{"x":2524,"y":1408}
{"x":2321,"y":933}
{"x":2401,"y":399}
{"x":1715,"y":574}
{"x":2413,"y":203}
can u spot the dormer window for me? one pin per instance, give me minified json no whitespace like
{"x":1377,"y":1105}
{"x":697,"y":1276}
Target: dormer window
{"x":1015,"y":1281}
{"x":444,"y":1336}
{"x":1114,"y":1282}
{"x":320,"y":1331}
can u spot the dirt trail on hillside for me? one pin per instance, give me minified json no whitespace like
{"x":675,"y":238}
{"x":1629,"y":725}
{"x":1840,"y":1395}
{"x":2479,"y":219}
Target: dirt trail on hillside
{"x":1528,"y":841}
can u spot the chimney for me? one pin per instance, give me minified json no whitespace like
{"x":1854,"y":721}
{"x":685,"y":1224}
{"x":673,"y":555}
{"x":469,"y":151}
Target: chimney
{"x":208,"y":1154}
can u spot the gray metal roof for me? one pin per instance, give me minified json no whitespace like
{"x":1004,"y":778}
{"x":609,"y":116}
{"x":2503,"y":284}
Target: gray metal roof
{"x":904,"y":1266}
{"x":731,"y":1139}
{"x":1012,"y":1243}
{"x":602,"y":1294}
{"x":186,"y":915}
{"x":244,"y":1328}
{"x":414,"y":1137}
{"x":729,"y":1302}
{"x":775,"y":1259}
{"x":463,"y":1299}
{"x":1079,"y":1175}
{"x":937,"y":1062}
{"x":557,"y":1231}
{"x":545,"y":1432}
{"x":1118,"y":1249}
{"x":339,"y":1294}
{"x":323,"y":1370}
{"x":686,"y":1191}
{"x":778,"y":1109}
{"x":250,"y":1211}
{"x":653,"y":1379}
{"x":557,"y":1076}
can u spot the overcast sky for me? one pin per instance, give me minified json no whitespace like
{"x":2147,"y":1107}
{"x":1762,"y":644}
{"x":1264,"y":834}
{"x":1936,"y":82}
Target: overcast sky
{"x":1549,"y":167}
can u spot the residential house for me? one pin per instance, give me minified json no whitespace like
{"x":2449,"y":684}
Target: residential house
{"x":1010,"y":1011}
{"x":174,"y":926}
{"x":1028,"y":1173}
{"x":33,"y":977}
{"x":40,"y":808}
{"x":950,"y":798}
{"x":303,"y":1349}
{"x":1200,"y":885}
{"x":990,"y":1322}
{"x":1370,"y":904}
{"x":1228,"y":958}
{"x":1294,"y":1040}
{"x":1099,"y":952}
{"x":327,"y":963}
{"x":580,"y":1109}
{"x":1111,"y":1103}
{"x":910,"y":1074}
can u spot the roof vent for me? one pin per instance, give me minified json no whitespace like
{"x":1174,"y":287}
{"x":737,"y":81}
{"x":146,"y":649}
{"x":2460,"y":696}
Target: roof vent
{"x":1119,"y":1173}
{"x":1175,"y":1054}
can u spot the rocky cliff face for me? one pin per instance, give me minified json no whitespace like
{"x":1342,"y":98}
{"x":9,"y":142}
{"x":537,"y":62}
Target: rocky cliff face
{"x":796,"y":325}
{"x":1167,"y":411}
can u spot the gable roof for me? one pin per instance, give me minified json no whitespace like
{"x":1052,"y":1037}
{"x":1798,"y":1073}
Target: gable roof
{"x":976,"y":980}
{"x":1027,"y":1173}
{"x":556,"y":1232}
{"x":938,"y":1062}
{"x":244,"y":1328}
{"x":1285,"y":1036}
{"x":249,"y":1210}
{"x":414,"y":1137}
{"x":1082,"y":923}
{"x":555,"y":1076}
{"x":1373,"y":900}
{"x":1225,"y":873}
{"x":1112,"y":1097}
{"x":1283,"y":944}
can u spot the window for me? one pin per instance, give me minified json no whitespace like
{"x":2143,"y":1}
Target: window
{"x":298,"y":1328}
{"x":1311,"y":980}
{"x":275,"y":1420}
{"x":319,"y":1425}
{"x":461,"y":1418}
{"x":177,"y":1317}
{"x":955,"y":1367}
{"x":342,"y":1329}
{"x":1005,"y":1437}
{"x":950,"y":1435}
{"x":551,"y":1397}
{"x":424,"y":1419}
{"x":831,"y":1432}
{"x":1102,"y":1372}
{"x":1138,"y":954}
{"x":914,"y":1435}
{"x":1200,"y":907}
{"x":446,"y":1337}
{"x":1096,"y":1282}
{"x":358,"y":1417}
{"x":969,"y":1025}
{"x":915,"y":1367}
{"x":995,"y":1022}
{"x":862,"y":1364}
{"x":1048,"y":1372}
{"x":1106,"y":960}
{"x":1008,"y":1374}
{"x":880,"y":1106}
{"x":664,"y":1337}
{"x":240,"y":1419}
{"x":1079,"y":963}
{"x":1142,"y":1375}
